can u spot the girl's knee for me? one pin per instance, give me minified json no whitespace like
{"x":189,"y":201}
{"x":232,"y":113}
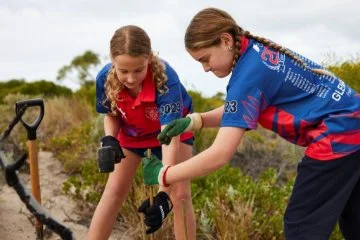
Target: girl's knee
{"x":180,"y":195}
{"x":116,"y":192}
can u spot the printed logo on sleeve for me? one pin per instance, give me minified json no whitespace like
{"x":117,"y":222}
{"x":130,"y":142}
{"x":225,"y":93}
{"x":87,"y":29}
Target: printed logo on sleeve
{"x":231,"y":106}
{"x":170,"y":108}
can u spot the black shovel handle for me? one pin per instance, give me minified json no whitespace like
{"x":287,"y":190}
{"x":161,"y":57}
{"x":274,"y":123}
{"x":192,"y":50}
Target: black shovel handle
{"x":31,"y":127}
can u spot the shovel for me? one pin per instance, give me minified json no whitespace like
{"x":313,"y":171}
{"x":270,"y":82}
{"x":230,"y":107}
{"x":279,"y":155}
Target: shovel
{"x":33,"y":153}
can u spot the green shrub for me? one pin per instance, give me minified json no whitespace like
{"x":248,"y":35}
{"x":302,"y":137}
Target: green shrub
{"x":37,"y":88}
{"x":88,"y":94}
{"x":230,"y":205}
{"x":76,"y":147}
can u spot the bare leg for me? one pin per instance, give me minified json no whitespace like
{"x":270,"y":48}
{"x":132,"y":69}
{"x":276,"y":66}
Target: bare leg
{"x":116,"y":191}
{"x":180,"y":196}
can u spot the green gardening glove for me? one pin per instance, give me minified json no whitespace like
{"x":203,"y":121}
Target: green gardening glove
{"x":173,"y":129}
{"x":151,"y":167}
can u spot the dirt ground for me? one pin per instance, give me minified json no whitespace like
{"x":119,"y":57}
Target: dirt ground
{"x":16,"y":220}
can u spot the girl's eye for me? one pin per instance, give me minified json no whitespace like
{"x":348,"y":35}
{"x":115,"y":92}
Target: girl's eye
{"x":205,"y":60}
{"x":139,"y":70}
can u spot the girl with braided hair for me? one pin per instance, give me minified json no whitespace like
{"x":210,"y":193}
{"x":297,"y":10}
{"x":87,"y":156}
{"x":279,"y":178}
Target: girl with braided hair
{"x":290,"y":95}
{"x":138,"y":92}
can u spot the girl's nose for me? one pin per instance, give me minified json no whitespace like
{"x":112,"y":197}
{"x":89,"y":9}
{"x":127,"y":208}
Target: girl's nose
{"x":206,"y":67}
{"x":131,"y":78}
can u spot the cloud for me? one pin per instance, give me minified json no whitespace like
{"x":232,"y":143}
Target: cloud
{"x":38,"y":37}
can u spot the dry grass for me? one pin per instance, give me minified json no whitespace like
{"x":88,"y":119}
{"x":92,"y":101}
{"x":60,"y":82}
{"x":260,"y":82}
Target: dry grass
{"x":233,"y":221}
{"x":61,"y":115}
{"x":131,"y":221}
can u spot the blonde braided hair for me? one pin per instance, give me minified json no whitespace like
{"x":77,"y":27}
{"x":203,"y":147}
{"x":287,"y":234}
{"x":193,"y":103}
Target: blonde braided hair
{"x":278,"y":47}
{"x":133,"y":41}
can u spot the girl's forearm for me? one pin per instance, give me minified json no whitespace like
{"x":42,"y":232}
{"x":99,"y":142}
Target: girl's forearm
{"x":169,"y":157}
{"x":197,"y":166}
{"x":170,"y":152}
{"x":211,"y":159}
{"x":212,"y":118}
{"x":111,"y":125}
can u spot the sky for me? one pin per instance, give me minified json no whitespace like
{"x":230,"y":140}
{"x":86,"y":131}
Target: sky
{"x":38,"y":37}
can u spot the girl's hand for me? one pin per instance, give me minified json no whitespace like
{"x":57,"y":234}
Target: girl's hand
{"x":110,"y":141}
{"x":173,"y":129}
{"x":156,"y":214}
{"x":151,"y":167}
{"x":191,"y":122}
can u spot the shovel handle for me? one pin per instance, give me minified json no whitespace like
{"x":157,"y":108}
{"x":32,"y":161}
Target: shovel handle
{"x":33,"y":155}
{"x":31,"y":127}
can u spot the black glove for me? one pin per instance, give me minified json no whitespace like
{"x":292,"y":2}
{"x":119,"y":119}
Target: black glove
{"x":110,"y":141}
{"x":156,"y":214}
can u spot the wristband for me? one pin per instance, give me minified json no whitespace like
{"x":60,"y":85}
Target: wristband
{"x":195,"y":123}
{"x":161,"y":177}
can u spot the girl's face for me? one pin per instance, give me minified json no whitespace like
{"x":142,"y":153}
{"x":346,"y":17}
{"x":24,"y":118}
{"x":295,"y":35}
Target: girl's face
{"x":131,"y":71}
{"x":217,"y":59}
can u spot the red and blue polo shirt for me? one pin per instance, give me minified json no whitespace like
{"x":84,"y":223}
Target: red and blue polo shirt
{"x":316,"y":111}
{"x":141,"y":117}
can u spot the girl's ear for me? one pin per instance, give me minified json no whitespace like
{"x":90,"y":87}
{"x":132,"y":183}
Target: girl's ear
{"x":227,"y":40}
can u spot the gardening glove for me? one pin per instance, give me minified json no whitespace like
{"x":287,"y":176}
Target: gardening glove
{"x":110,"y":141}
{"x":191,"y":122}
{"x":156,"y":214}
{"x":151,"y":167}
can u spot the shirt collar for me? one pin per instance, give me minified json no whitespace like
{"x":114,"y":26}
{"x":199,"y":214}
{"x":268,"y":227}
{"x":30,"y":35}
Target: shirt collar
{"x":147,"y":93}
{"x":244,"y":44}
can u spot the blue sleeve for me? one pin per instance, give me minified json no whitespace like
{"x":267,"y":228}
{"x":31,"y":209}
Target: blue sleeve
{"x":250,"y":91}
{"x":102,"y":104}
{"x":243,"y":106}
{"x":170,"y":104}
{"x":247,"y":94}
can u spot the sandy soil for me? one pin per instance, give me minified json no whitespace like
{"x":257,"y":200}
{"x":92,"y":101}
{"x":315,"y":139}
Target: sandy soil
{"x":16,"y":220}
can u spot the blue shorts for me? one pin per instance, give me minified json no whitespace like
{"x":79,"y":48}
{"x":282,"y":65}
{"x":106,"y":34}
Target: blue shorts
{"x":156,"y":150}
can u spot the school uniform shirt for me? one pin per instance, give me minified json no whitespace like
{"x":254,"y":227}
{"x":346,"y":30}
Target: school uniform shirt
{"x":141,"y":117}
{"x":316,"y":111}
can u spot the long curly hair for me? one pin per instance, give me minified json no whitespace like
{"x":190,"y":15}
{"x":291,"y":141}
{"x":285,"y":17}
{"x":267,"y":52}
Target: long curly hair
{"x":207,"y":25}
{"x":133,"y":41}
